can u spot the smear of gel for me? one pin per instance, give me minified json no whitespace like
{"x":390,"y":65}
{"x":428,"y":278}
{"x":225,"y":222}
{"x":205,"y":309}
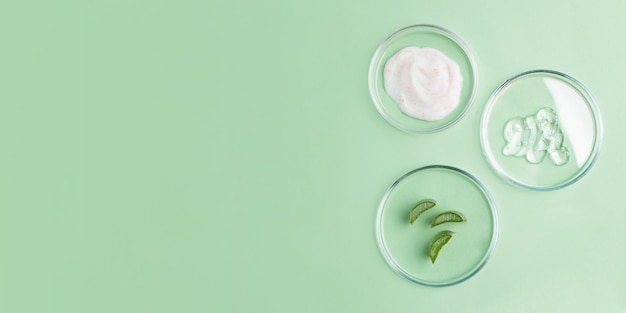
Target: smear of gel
{"x":535,"y":137}
{"x":424,"y":82}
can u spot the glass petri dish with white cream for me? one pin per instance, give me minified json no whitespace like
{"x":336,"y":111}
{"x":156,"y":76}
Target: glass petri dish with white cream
{"x":422,"y":78}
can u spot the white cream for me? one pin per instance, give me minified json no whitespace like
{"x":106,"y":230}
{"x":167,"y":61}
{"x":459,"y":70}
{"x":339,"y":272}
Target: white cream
{"x":424,"y":82}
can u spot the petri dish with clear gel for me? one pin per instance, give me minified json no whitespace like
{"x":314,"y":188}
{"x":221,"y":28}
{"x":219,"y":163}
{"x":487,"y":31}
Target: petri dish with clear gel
{"x":422,"y":36}
{"x":541,"y":130}
{"x":406,"y":246}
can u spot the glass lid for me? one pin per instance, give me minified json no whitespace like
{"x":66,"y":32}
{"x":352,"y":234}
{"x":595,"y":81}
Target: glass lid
{"x":437,"y":226}
{"x":541,"y":130}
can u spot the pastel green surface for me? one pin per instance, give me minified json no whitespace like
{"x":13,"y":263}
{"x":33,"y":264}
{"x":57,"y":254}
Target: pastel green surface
{"x":225,"y":156}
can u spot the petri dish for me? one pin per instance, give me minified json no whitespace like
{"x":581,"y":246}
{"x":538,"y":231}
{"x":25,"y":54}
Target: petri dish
{"x":541,"y":130}
{"x":405,"y":246}
{"x":422,"y":36}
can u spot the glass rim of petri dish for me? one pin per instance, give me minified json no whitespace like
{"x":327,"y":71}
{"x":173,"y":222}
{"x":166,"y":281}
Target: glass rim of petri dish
{"x":413,"y":125}
{"x":595,"y":115}
{"x":398,"y":268}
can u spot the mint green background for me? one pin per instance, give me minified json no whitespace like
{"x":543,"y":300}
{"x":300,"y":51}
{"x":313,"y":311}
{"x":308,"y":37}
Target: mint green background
{"x":225,"y":156}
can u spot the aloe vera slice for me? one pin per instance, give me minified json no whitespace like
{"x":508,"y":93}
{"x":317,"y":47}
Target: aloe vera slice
{"x":420,"y":208}
{"x":448,"y":217}
{"x":440,"y":240}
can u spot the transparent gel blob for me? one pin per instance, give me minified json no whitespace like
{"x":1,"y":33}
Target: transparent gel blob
{"x":535,"y":137}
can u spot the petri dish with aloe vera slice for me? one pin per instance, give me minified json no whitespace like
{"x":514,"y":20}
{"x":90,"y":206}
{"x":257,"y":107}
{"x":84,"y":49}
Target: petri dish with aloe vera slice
{"x":406,"y":247}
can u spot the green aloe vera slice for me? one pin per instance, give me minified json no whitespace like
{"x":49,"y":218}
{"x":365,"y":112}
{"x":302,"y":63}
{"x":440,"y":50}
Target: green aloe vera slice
{"x":448,"y":217}
{"x":438,"y":242}
{"x":420,"y":208}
